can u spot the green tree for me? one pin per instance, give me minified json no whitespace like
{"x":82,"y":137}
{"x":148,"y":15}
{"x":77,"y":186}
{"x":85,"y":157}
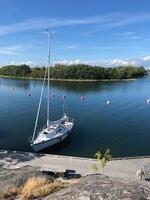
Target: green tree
{"x":79,"y":71}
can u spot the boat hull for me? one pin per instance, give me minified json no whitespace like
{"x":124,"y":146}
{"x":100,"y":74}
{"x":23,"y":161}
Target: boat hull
{"x":49,"y":143}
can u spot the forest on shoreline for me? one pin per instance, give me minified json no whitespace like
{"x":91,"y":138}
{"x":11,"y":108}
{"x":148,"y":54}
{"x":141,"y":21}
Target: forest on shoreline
{"x":76,"y":72}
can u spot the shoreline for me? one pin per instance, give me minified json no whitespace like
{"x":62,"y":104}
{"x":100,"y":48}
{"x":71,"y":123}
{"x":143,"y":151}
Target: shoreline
{"x":71,"y":80}
{"x":116,"y":168}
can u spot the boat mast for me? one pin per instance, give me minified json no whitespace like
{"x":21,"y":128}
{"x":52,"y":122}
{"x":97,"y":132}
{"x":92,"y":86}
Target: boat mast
{"x":39,"y":107}
{"x":48,"y":88}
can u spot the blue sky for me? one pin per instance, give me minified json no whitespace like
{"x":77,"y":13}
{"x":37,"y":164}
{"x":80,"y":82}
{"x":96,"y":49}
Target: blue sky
{"x":104,"y":32}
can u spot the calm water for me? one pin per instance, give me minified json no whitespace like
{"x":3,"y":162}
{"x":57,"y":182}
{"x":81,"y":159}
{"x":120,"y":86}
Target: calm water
{"x":123,"y":126}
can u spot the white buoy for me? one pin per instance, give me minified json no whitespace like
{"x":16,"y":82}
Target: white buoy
{"x":82,"y":98}
{"x":108,"y":102}
{"x":148,"y":101}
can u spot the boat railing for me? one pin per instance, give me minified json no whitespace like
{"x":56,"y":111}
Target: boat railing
{"x":41,"y":129}
{"x":71,"y":120}
{"x":30,"y":139}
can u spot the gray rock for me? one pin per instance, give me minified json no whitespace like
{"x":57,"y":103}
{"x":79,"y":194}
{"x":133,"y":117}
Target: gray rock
{"x":92,"y":187}
{"x":95,"y":187}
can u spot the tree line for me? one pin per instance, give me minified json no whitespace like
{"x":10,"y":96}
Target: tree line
{"x":80,"y":71}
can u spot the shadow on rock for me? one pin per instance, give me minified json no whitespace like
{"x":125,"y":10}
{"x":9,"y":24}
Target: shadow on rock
{"x":8,"y":158}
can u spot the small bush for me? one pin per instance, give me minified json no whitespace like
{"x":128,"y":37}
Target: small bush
{"x":38,"y":187}
{"x":33,"y":188}
{"x":11,"y":192}
{"x":102,"y":159}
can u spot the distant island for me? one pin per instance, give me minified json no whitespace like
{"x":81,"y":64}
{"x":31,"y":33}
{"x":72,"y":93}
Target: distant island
{"x":74,"y":72}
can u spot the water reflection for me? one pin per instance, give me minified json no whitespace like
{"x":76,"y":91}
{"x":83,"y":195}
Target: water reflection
{"x":84,"y":87}
{"x":13,"y":83}
{"x":70,"y":86}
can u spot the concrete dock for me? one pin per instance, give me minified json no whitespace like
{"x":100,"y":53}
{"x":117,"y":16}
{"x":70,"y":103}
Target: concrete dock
{"x":120,"y":168}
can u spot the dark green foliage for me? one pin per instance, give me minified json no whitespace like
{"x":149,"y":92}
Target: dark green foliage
{"x":37,"y":72}
{"x":89,"y":72}
{"x":15,"y":71}
{"x":79,"y":71}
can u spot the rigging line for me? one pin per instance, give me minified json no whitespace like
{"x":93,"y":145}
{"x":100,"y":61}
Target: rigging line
{"x":48,"y":76}
{"x":64,"y":107}
{"x":39,"y":106}
{"x":63,"y":99}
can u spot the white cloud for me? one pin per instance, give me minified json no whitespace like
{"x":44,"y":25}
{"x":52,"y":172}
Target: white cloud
{"x":134,"y":37}
{"x":110,"y":62}
{"x":72,"y":46}
{"x":109,"y":20}
{"x":30,"y":63}
{"x":108,"y":47}
{"x":144,"y":61}
{"x":41,"y":23}
{"x":114,"y":62}
{"x":63,"y":62}
{"x":9,"y":50}
{"x":68,"y":62}
{"x":77,"y":61}
{"x":146,"y":58}
{"x":129,"y":33}
{"x":128,"y":19}
{"x":117,"y":62}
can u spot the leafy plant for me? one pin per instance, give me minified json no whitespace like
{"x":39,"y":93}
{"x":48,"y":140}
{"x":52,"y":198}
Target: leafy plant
{"x":102,"y":159}
{"x":95,"y":168}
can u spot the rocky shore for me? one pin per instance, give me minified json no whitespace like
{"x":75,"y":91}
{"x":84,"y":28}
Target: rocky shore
{"x":91,"y":187}
{"x":31,"y":183}
{"x":94,"y":187}
{"x":25,"y":175}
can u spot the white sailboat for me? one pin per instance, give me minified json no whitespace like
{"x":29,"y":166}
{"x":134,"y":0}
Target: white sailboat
{"x":55,"y":131}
